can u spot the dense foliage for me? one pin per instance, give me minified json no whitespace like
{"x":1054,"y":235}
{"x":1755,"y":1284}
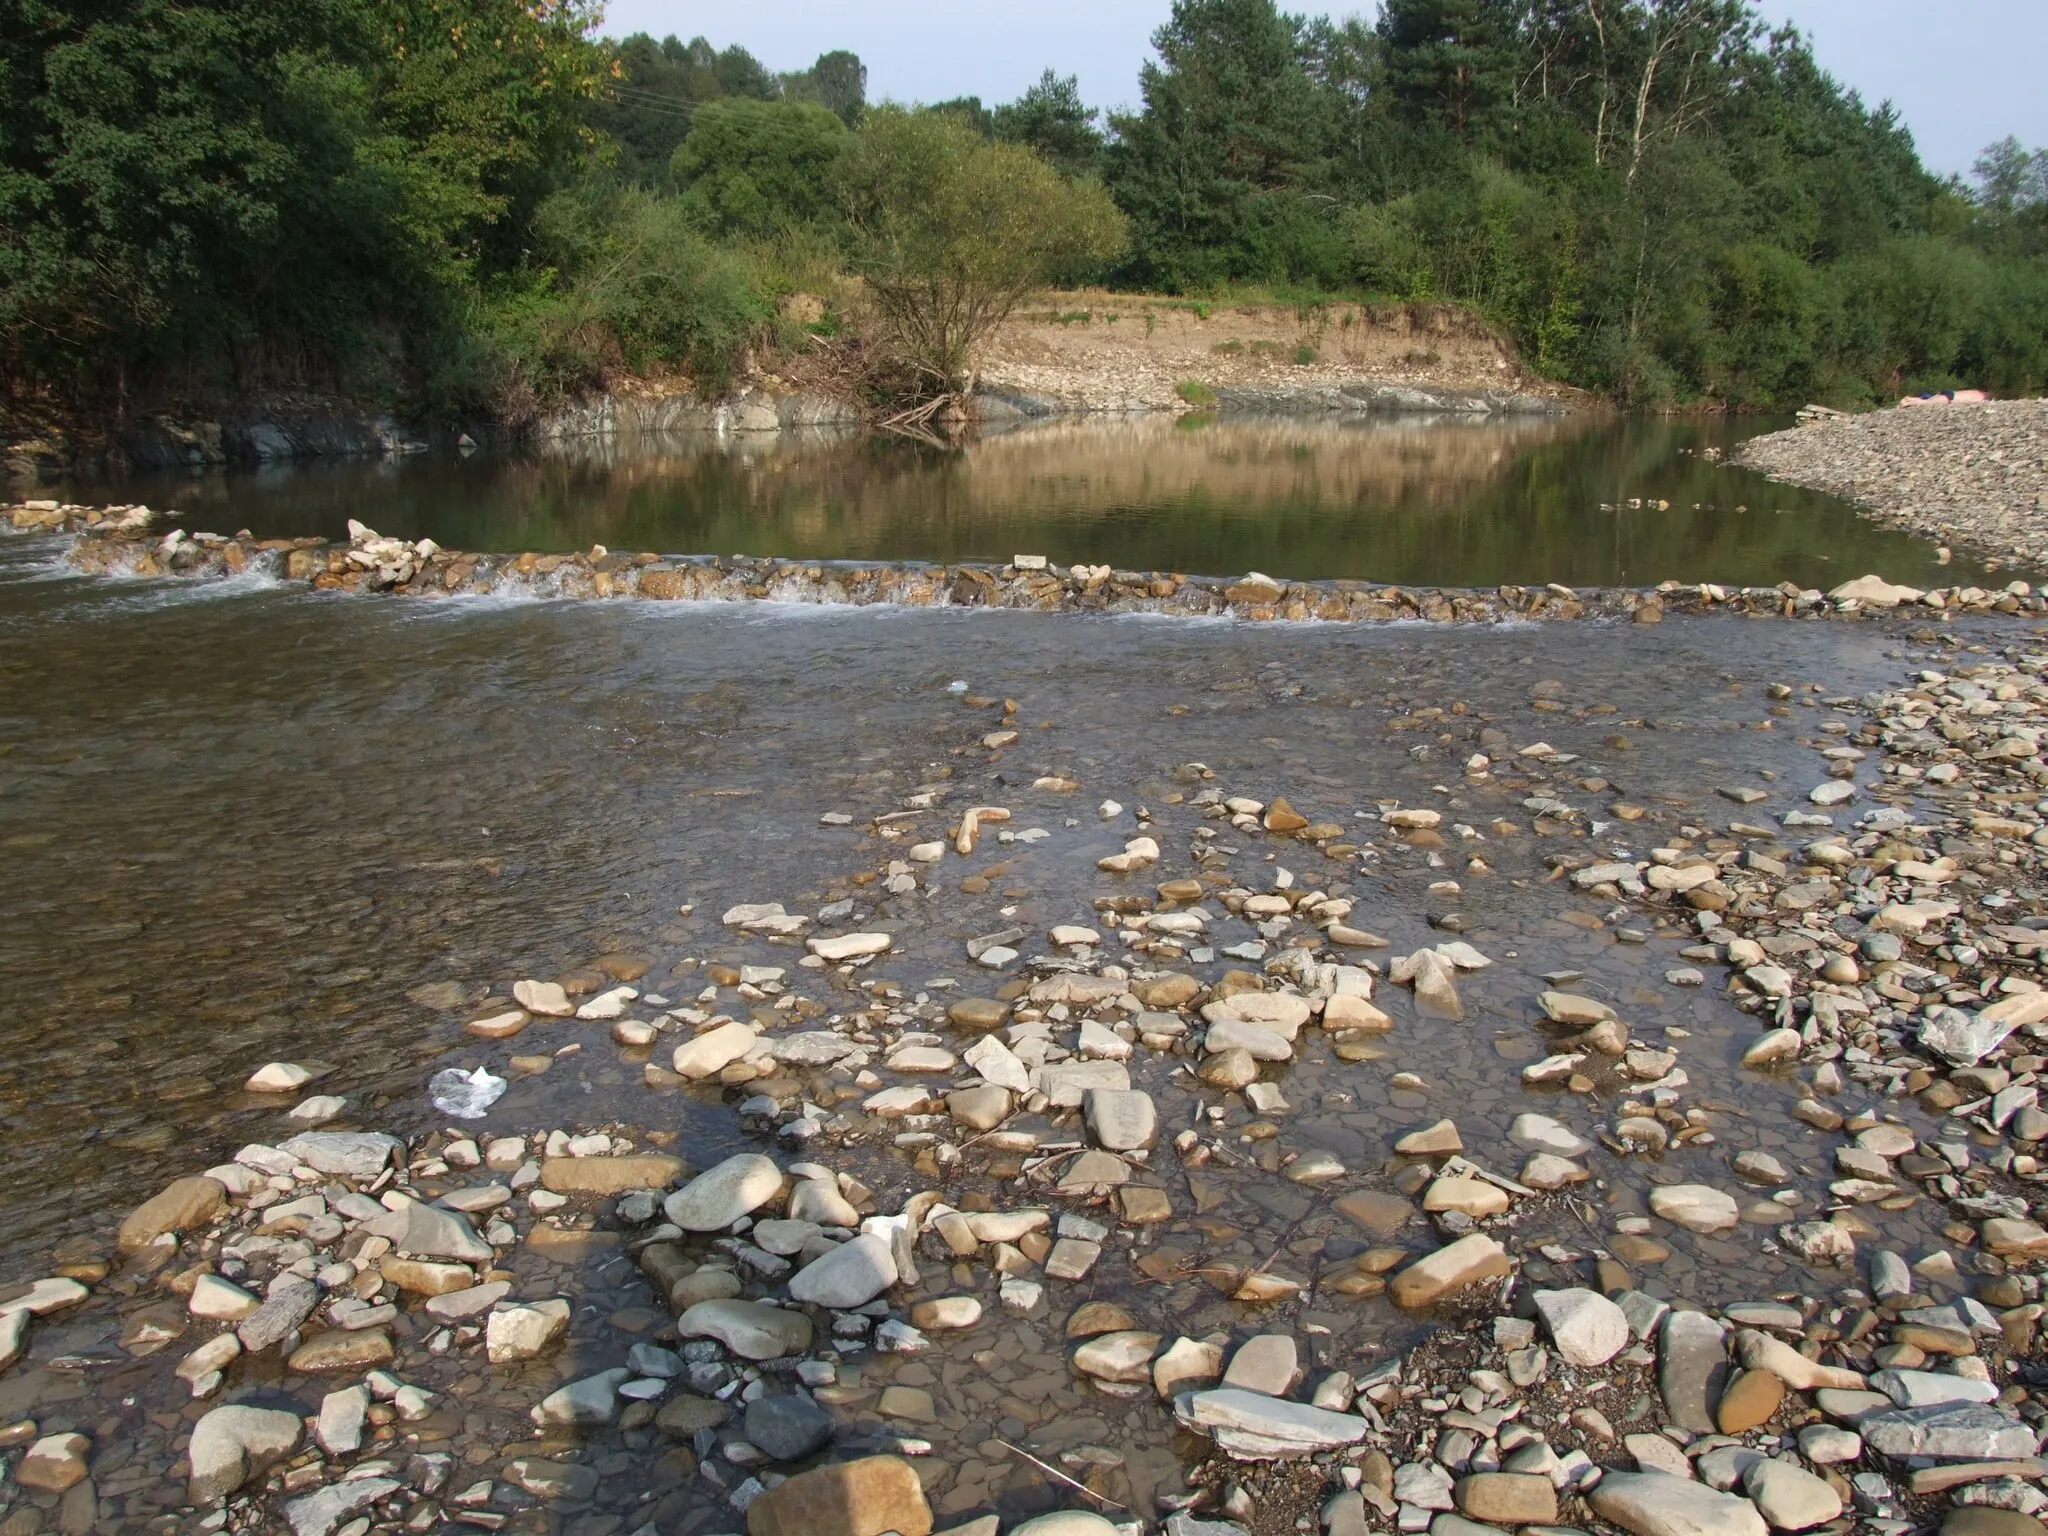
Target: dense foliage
{"x":1656,"y":197}
{"x":950,"y":231}
{"x":479,"y":205}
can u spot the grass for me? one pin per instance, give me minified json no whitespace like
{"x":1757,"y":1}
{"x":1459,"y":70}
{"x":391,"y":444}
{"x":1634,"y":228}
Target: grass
{"x":1227,"y":348}
{"x":1195,"y":393}
{"x":1305,"y":354}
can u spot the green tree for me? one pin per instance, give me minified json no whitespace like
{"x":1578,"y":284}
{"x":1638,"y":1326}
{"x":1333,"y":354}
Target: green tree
{"x":1451,"y":64}
{"x":755,"y":168}
{"x":1216,"y":169}
{"x":1052,"y":119}
{"x":951,"y":231}
{"x":838,"y":82}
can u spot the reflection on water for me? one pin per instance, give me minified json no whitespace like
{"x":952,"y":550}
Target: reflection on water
{"x":1420,"y":502}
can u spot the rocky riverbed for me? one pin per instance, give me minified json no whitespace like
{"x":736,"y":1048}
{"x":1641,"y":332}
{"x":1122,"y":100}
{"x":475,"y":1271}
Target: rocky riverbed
{"x":1533,"y":1149}
{"x":1973,"y":475}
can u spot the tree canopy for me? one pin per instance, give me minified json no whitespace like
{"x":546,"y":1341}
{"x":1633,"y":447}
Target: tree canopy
{"x":1666,"y":200}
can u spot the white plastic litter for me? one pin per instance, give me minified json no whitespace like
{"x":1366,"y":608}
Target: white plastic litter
{"x":465,"y":1095}
{"x":956,"y":686}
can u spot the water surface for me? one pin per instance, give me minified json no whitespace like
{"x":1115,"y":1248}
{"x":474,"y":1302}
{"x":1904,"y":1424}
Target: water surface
{"x":1585,"y":500}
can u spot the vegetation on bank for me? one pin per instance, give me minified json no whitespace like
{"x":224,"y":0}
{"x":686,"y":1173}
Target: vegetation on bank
{"x":481,"y":206}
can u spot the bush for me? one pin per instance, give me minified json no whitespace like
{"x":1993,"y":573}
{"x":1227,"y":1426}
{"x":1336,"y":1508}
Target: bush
{"x":951,"y":231}
{"x":623,"y":281}
{"x":1194,"y":392}
{"x":755,"y":168}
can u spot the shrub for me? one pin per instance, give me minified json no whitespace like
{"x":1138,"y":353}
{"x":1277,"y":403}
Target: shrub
{"x":1194,"y":392}
{"x":755,"y":168}
{"x":951,"y":232}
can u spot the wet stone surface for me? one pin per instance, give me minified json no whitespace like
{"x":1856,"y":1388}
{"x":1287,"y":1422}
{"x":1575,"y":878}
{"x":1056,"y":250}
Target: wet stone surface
{"x":1427,"y":880}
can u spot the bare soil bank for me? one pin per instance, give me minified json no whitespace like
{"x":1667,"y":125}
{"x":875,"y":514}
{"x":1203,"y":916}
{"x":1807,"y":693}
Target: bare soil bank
{"x":1975,"y":475}
{"x":1094,"y":350}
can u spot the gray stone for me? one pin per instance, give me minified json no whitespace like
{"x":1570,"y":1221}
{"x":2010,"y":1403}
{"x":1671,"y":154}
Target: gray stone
{"x":344,"y":1154}
{"x":1826,"y":1444}
{"x":1692,"y":1365}
{"x":1586,"y":1327}
{"x":1268,"y":1364}
{"x":721,"y":1195}
{"x":1123,"y":1120}
{"x":279,"y":1316}
{"x":748,"y":1328}
{"x":431,"y":1233}
{"x":593,"y":1400}
{"x":1960,"y":1432}
{"x":1540,"y":1133}
{"x":522,"y":1332}
{"x":323,"y":1511}
{"x":1064,"y":1522}
{"x":788,"y":1428}
{"x":1658,"y":1504}
{"x":1850,"y":1407}
{"x":235,"y":1443}
{"x":1253,"y":1427}
{"x":340,"y":1428}
{"x":1725,"y":1466}
{"x":1931,"y":1389}
{"x":1790,"y":1497}
{"x":1425,"y":1484}
{"x":1067,"y":1083}
{"x":1696,"y":1207}
{"x":851,"y":1275}
{"x":1643,"y":1311}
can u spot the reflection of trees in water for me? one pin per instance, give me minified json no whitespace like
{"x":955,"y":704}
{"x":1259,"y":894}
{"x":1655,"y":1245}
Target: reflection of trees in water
{"x":1411,"y":501}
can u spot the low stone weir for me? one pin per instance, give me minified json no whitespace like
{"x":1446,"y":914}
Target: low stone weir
{"x":122,"y":541}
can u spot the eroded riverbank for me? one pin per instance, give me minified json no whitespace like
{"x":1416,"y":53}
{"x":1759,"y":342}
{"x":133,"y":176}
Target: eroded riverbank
{"x":488,"y":801}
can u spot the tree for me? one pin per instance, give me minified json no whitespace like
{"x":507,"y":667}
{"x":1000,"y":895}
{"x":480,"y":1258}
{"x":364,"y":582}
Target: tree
{"x":951,"y":231}
{"x":841,"y":83}
{"x":1215,"y":170}
{"x":1051,"y":118}
{"x":2009,"y":178}
{"x":1450,"y":64}
{"x":757,"y":167}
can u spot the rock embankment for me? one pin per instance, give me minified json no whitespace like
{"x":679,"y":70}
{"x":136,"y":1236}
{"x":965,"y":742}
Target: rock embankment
{"x":118,"y":542}
{"x":1969,"y":474}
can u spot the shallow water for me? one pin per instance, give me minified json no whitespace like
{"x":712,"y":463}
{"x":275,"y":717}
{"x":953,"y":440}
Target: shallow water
{"x":241,"y":822}
{"x":1526,"y":501}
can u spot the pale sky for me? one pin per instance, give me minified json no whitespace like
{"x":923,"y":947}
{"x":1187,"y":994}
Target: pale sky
{"x":1961,"y":72}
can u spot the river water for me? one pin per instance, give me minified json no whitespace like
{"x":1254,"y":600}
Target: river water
{"x":1585,"y":501}
{"x":242,"y":822}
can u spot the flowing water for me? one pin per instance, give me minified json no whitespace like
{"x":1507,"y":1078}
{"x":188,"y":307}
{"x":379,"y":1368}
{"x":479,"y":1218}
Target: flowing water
{"x":242,"y":822}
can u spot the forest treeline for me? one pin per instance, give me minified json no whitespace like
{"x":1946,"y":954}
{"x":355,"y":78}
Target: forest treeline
{"x":485,"y":206}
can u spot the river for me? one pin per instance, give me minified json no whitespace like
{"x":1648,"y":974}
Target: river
{"x":243,"y":823}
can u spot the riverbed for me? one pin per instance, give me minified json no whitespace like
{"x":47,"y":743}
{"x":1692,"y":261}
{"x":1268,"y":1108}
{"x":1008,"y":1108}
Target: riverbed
{"x":246,"y":822}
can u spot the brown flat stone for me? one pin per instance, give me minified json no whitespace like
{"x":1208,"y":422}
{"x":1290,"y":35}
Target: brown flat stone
{"x":610,"y":1175}
{"x":1749,"y":1400}
{"x":341,"y":1351}
{"x":179,"y":1207}
{"x":847,"y":1498}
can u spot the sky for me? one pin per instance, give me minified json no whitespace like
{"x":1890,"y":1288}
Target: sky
{"x":1961,"y":74}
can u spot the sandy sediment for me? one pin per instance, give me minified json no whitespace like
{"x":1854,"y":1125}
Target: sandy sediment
{"x":1975,"y":475}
